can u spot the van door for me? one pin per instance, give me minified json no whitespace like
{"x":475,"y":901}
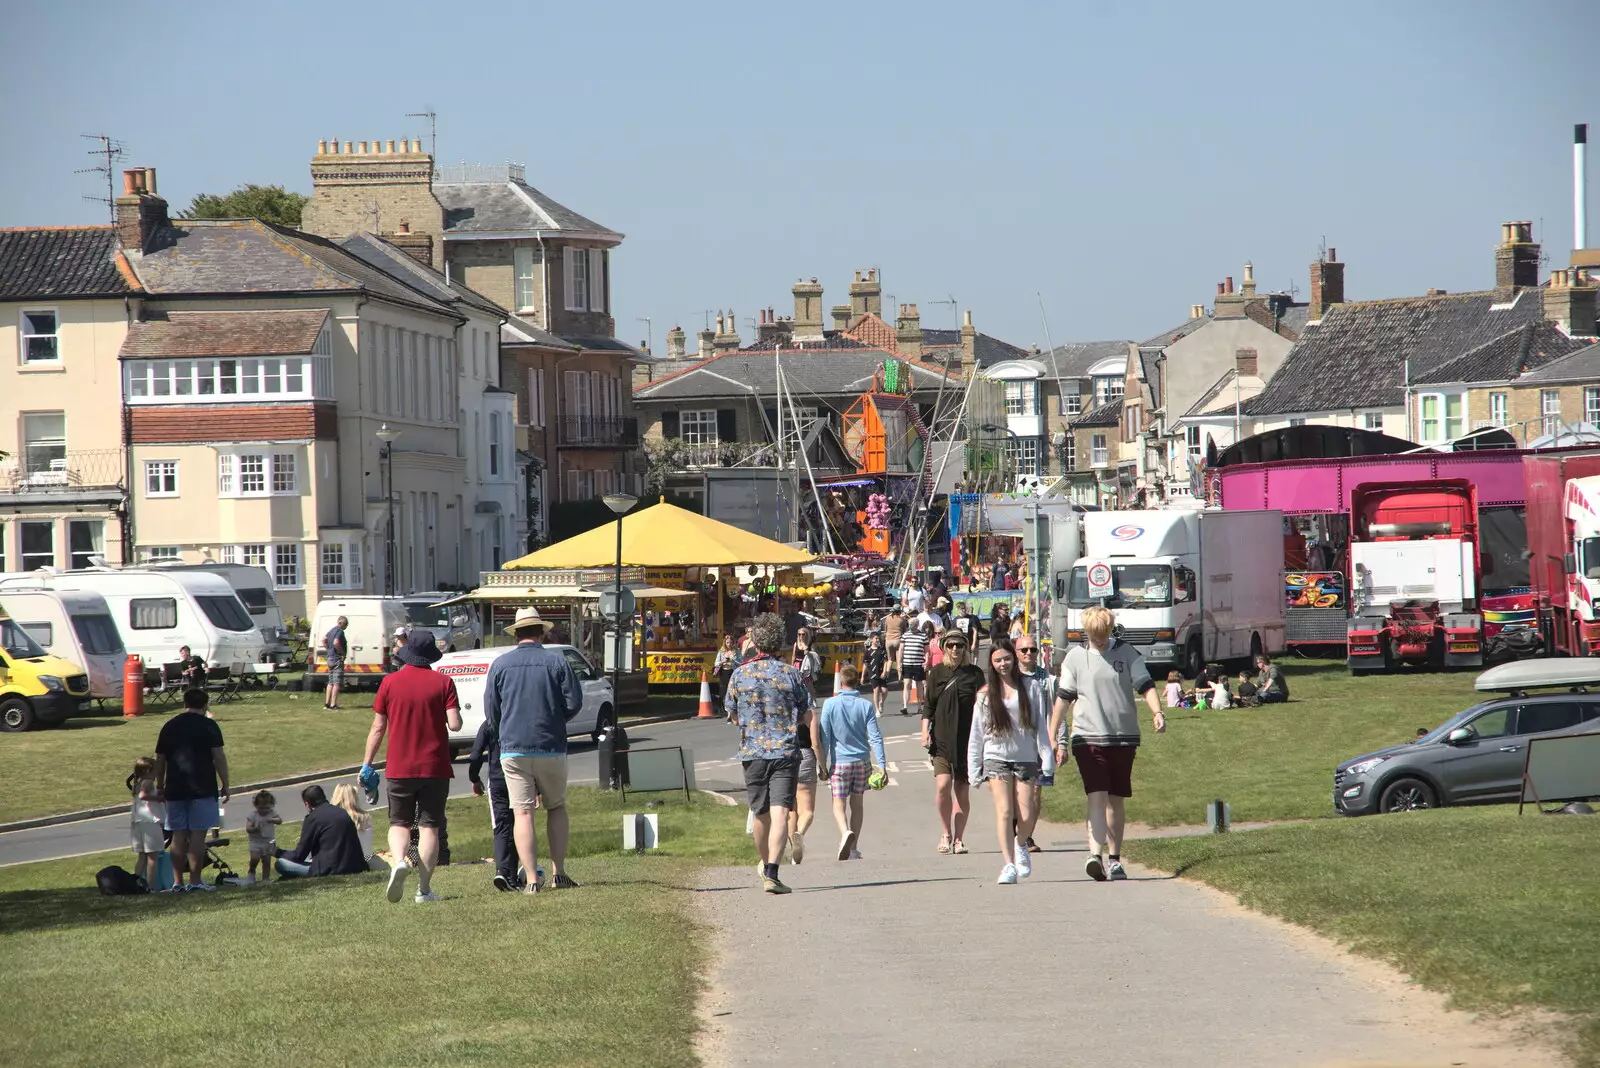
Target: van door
{"x":1487,"y":766}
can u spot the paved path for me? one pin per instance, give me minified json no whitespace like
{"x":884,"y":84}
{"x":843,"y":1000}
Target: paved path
{"x":910,"y":957}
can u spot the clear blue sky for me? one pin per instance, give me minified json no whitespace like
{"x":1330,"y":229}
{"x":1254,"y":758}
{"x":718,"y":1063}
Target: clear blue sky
{"x":1118,"y":158}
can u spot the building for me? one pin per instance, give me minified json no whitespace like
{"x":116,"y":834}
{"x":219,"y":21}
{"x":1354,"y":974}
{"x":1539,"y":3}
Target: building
{"x":65,"y":296}
{"x":1065,"y":406}
{"x":1557,"y":404}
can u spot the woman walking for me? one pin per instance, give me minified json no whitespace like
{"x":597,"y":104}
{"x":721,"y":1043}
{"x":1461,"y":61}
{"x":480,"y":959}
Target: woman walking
{"x":809,"y":665}
{"x":946,"y":723}
{"x":872,"y":669}
{"x":1009,"y":746}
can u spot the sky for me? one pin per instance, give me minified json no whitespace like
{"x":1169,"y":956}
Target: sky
{"x":1070,"y":171}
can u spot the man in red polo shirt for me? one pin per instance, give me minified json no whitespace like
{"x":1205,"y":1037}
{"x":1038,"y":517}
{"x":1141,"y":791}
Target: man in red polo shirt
{"x":414,"y":707}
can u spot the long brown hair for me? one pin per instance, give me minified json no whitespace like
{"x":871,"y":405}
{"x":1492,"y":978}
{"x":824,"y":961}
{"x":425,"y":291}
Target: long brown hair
{"x":999,"y":719}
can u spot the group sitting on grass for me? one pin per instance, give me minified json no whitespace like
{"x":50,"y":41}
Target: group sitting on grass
{"x":1212,"y":690}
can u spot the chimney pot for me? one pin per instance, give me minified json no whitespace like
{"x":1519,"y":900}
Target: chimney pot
{"x":405,"y":226}
{"x":361,"y":148}
{"x":322,"y":148}
{"x":1220,"y":289}
{"x":150,"y":180}
{"x":1333,"y":255}
{"x":349,"y":148}
{"x":130,"y":183}
{"x":1228,"y":281}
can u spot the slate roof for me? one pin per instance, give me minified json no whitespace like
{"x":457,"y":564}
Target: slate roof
{"x":397,"y":263}
{"x":495,"y":207}
{"x":1504,"y":358}
{"x":1207,"y":404}
{"x":1074,"y":359}
{"x":824,"y":372}
{"x":1167,"y":337}
{"x":1356,"y":357}
{"x":45,"y":263}
{"x":1108,"y":414}
{"x":1580,"y":366}
{"x":987,"y":349}
{"x":518,"y":331}
{"x":602,"y":343}
{"x":225,"y":333}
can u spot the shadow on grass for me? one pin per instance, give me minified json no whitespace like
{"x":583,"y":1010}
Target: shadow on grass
{"x":1242,"y":854}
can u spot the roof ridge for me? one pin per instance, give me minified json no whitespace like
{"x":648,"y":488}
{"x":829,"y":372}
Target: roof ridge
{"x":32,"y":229}
{"x":275,"y":234}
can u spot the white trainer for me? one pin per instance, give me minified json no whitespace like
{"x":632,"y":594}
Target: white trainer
{"x":1024,"y":863}
{"x":1008,"y":876}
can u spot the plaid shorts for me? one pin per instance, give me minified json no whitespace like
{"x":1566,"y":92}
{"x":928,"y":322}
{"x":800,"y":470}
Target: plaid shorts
{"x":849,"y":778}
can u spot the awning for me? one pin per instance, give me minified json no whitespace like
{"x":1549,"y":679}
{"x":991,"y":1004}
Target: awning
{"x":663,"y":535}
{"x":543,"y":594}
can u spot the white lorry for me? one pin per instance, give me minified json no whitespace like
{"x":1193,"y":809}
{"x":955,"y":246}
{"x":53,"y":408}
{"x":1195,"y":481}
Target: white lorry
{"x":1188,"y":587}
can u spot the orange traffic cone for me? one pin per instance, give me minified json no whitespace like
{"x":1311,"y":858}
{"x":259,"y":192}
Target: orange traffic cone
{"x":838,"y":680}
{"x":706,"y":711}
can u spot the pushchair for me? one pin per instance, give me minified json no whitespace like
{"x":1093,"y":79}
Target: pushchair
{"x":225,"y":876}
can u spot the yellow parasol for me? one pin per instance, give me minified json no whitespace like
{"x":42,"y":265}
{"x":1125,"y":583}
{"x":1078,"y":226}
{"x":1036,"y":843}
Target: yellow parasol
{"x":664,"y":535}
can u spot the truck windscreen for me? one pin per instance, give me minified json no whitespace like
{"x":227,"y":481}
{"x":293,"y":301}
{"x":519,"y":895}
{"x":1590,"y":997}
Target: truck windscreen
{"x":1135,"y":586}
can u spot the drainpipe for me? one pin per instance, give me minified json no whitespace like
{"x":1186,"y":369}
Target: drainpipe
{"x":127,"y":449}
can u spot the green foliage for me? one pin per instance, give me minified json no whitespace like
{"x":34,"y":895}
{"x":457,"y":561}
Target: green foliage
{"x":269,"y":203}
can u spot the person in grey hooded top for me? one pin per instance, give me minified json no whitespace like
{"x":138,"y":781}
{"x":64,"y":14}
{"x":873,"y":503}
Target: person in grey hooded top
{"x":530,"y":695}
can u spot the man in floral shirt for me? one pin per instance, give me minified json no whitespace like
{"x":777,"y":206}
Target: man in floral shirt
{"x":769,"y":701}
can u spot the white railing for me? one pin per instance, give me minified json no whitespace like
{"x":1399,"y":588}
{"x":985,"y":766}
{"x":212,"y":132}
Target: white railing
{"x":480,"y":173}
{"x":81,"y":469}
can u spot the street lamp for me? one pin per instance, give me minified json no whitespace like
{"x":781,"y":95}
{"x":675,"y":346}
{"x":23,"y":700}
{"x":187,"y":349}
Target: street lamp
{"x":620,"y":503}
{"x":387,"y":436}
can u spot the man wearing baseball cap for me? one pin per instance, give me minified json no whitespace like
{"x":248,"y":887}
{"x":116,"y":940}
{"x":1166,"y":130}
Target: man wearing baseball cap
{"x":529,"y":697}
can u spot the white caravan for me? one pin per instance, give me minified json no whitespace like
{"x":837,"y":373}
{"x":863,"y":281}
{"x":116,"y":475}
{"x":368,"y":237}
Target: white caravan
{"x":1188,"y":587}
{"x":254,"y":587}
{"x":74,"y":625}
{"x":157,"y":611}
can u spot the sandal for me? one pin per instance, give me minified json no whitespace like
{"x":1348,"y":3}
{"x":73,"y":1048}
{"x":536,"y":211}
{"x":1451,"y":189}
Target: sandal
{"x":944,"y":843}
{"x":959,"y":847}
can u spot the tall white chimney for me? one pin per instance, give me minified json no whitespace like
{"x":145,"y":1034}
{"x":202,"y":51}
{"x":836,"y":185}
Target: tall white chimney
{"x":1580,"y":217}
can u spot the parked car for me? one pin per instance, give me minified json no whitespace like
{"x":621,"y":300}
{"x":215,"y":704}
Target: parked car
{"x":1477,"y":756}
{"x":454,"y":627}
{"x":470,"y":668}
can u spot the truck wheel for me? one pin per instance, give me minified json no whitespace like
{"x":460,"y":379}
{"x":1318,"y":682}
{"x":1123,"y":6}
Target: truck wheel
{"x":1436,"y":652}
{"x":1194,"y":661}
{"x":17,"y":715}
{"x":1256,"y":648}
{"x":1407,"y":795}
{"x":606,"y":718}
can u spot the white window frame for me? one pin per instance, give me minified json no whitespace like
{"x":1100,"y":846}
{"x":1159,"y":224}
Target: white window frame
{"x":1022,"y":397}
{"x":231,"y":380}
{"x":286,"y":571}
{"x":536,"y":411}
{"x":1591,"y":405}
{"x":701,"y":418}
{"x":597,"y":279}
{"x":1498,"y":409}
{"x":1132,"y":422}
{"x":97,"y":528}
{"x":576,"y":261}
{"x":1070,"y":404}
{"x":339,"y":563}
{"x":161,"y":478}
{"x":1372,"y":421}
{"x":1550,"y":411}
{"x":278,"y":474}
{"x":23,"y":557}
{"x":26,"y":334}
{"x":1099,"y":450}
{"x":48,"y":468}
{"x":1194,"y":445}
{"x":159,"y":554}
{"x":1069,"y":461}
{"x":522,"y":275}
{"x":1023,"y":454}
{"x":285,"y":480}
{"x":495,"y":446}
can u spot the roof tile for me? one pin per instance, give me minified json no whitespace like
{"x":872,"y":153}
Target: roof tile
{"x":225,"y":333}
{"x":60,"y":262}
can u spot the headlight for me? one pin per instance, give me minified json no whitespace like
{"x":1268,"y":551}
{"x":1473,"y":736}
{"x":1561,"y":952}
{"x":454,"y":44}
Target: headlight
{"x":53,"y":683}
{"x":1364,"y":766}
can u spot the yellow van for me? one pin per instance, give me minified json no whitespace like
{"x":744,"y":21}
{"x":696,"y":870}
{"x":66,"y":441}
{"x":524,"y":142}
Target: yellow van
{"x":35,"y":687}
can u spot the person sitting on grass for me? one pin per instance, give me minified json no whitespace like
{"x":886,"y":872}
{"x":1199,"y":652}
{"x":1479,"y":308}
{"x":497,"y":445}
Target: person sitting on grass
{"x":348,"y":797}
{"x":1270,"y":685}
{"x":1245,"y":693}
{"x":1217,"y":678}
{"x":1172,"y":695}
{"x":329,"y":844}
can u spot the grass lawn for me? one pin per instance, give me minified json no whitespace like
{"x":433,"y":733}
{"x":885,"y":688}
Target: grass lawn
{"x":82,"y":763}
{"x":1496,"y":910}
{"x":1276,"y":762}
{"x":327,"y":972}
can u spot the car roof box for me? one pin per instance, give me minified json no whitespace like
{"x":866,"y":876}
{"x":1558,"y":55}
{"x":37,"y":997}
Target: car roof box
{"x":1555,"y":671}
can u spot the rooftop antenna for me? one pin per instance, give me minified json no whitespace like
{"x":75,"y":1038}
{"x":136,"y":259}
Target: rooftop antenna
{"x":955,"y":309}
{"x":433,"y":132}
{"x":649,"y":334}
{"x":112,"y":150}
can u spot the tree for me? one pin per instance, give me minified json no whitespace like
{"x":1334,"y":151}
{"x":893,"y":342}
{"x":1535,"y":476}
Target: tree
{"x":269,"y":203}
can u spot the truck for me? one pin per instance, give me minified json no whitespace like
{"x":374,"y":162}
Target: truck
{"x":1564,"y":549}
{"x":1189,"y":586}
{"x":1415,"y":576}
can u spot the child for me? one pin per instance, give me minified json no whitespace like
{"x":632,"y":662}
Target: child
{"x":1220,"y":697}
{"x":1173,"y":695}
{"x":1247,"y":691}
{"x":149,"y":813}
{"x":261,"y":828}
{"x":348,"y":798}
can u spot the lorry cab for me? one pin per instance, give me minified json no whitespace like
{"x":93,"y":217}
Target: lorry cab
{"x":76,"y":626}
{"x":36,"y":688}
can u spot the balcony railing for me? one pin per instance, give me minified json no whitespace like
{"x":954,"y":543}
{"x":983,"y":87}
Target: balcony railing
{"x":600,"y":433}
{"x":38,"y":471}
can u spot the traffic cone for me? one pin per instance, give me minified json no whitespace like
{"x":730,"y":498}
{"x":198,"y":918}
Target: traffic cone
{"x":706,"y":711}
{"x":838,"y":680}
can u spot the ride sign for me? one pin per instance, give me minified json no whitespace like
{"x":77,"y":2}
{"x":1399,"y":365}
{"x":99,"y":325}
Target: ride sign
{"x":1100,"y":581}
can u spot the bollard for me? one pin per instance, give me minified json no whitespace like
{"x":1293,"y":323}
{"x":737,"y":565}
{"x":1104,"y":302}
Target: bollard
{"x":606,"y":748}
{"x":619,"y":769}
{"x":133,"y":686}
{"x":1217,"y":816}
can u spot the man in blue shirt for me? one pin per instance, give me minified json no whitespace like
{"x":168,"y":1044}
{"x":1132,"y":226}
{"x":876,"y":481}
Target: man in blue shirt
{"x":848,"y":730}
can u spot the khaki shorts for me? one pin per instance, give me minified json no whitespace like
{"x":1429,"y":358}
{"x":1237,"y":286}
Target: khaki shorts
{"x":530,"y":777}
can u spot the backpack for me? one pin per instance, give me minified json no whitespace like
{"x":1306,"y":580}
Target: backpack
{"x":114,"y":882}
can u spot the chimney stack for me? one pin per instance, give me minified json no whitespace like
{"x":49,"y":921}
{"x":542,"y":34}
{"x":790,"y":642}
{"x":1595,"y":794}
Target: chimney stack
{"x":707,"y":340}
{"x":1245,"y":363}
{"x":841,"y":317}
{"x":807,"y":310}
{"x":141,"y":215}
{"x":677,"y":342}
{"x":1249,"y":287}
{"x":969,"y":342}
{"x":908,"y":332}
{"x":866,"y":294}
{"x":1197,"y":311}
{"x":367,"y":185}
{"x":727,"y":339}
{"x":1516,"y":259}
{"x":1327,"y":284}
{"x":1570,"y":302}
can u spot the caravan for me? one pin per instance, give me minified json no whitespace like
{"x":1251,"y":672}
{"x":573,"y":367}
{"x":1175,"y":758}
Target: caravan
{"x":157,"y":611}
{"x":254,"y":587}
{"x":75,"y":626}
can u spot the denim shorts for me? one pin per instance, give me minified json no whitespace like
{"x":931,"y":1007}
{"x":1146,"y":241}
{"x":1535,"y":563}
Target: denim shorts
{"x":1022,"y":771}
{"x":197,"y":814}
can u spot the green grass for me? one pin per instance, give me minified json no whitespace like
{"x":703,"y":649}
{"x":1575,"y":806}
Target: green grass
{"x":325,"y":971}
{"x":82,"y":763}
{"x":1496,"y":910}
{"x":1276,"y":762}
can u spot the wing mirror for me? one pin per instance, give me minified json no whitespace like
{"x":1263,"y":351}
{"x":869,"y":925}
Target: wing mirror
{"x":1461,"y":736}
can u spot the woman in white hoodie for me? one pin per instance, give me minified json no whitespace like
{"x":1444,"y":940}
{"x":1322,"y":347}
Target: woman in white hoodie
{"x":1010,"y":746}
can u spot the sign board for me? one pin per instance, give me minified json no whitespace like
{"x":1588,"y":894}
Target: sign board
{"x":614,"y":604}
{"x":666,"y":768}
{"x":1314,"y":589}
{"x":670,"y":668}
{"x":1563,"y":768}
{"x":1100,"y":580}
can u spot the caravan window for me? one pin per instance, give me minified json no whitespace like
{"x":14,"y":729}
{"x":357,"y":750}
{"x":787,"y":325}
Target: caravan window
{"x":255,"y":600}
{"x":41,"y":632}
{"x":225,"y":612}
{"x":97,"y":634}
{"x":152,"y":613}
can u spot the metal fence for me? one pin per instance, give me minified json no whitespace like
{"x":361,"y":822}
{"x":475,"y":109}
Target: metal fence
{"x":42,"y":470}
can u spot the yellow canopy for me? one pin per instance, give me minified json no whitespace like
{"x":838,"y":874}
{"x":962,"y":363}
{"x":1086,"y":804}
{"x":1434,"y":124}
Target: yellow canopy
{"x":664,"y":535}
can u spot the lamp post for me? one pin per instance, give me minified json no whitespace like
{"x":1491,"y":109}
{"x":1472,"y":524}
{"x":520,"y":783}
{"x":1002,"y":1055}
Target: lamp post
{"x":387,"y":436}
{"x":620,"y":503}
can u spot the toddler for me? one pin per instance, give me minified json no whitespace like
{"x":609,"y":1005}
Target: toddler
{"x":261,"y":828}
{"x":1174,"y":690}
{"x":148,"y":816}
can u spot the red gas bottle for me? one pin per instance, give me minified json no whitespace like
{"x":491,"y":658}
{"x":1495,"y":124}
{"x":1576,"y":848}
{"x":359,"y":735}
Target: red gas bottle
{"x":133,"y":686}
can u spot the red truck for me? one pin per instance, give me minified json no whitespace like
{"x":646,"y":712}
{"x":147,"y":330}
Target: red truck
{"x":1414,"y":575}
{"x":1564,"y":545}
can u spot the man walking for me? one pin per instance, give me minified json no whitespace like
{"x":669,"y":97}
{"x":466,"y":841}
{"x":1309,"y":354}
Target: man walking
{"x":485,"y":750}
{"x":847,"y":735}
{"x":1028,"y":666}
{"x":334,"y":647}
{"x":528,"y":699}
{"x":192,"y":774}
{"x":1098,"y":680}
{"x":416,"y":707}
{"x":769,"y":701}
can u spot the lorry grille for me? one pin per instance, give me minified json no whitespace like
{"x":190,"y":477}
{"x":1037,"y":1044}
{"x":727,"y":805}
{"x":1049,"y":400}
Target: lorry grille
{"x":78,"y":684}
{"x":1316,"y":624}
{"x":1137,"y":635}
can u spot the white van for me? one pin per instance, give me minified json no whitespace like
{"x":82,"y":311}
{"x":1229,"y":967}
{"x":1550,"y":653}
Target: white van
{"x":74,"y":625}
{"x":455,"y":627}
{"x":254,"y":587}
{"x":470,"y":669}
{"x":369,"y":636}
{"x":157,"y":611}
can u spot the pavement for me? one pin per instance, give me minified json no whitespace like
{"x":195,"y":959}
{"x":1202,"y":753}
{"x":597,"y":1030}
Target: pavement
{"x":913,"y":957}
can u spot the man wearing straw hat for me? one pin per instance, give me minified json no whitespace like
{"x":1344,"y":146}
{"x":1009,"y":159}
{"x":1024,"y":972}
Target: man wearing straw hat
{"x":530,"y":695}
